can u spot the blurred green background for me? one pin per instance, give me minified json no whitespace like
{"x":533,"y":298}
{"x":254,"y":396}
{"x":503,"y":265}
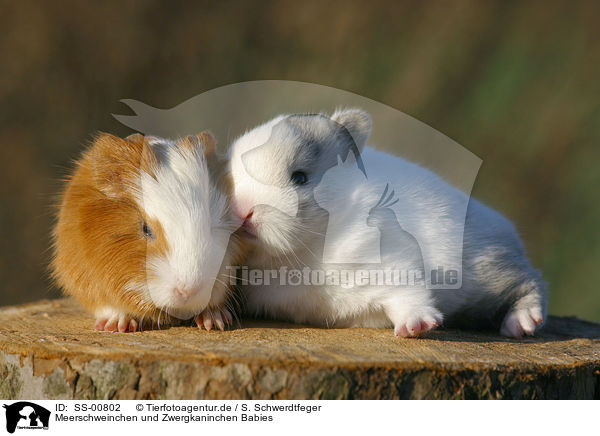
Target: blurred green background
{"x":517,"y":83}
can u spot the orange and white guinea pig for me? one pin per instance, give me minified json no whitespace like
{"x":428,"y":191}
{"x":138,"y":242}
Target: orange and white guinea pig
{"x":144,"y":232}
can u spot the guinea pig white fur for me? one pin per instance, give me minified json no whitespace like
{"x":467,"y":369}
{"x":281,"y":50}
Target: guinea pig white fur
{"x":321,"y":165}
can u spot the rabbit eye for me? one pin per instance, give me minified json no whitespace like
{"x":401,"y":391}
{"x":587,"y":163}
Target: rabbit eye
{"x":147,"y":231}
{"x":299,"y":178}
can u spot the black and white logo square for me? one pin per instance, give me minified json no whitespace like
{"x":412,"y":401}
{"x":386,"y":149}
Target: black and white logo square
{"x":26,"y":415}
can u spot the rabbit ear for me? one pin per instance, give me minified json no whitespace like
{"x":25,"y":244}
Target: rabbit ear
{"x":339,"y":160}
{"x":357,"y":122}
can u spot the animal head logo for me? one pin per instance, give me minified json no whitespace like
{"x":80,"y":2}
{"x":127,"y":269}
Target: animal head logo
{"x":24,"y":414}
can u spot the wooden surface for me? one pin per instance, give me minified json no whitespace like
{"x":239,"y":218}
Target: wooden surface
{"x":49,"y":350}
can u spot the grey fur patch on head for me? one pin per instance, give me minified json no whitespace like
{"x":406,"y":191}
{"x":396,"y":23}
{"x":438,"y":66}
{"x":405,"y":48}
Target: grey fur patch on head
{"x":320,"y":133}
{"x":160,"y":147}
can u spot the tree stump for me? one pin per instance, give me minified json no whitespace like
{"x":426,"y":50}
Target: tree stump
{"x":49,"y":350}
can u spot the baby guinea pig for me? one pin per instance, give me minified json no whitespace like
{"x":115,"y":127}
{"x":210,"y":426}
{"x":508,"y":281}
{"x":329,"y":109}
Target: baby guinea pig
{"x":143,"y":231}
{"x":405,"y":213}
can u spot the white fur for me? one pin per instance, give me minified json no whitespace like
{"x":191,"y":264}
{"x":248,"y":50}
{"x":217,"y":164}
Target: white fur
{"x":250,"y":172}
{"x":194,"y":217}
{"x":496,"y":272}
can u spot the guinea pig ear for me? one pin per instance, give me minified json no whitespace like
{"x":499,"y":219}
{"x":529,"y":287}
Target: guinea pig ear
{"x":208,"y":141}
{"x":357,"y":122}
{"x":204,"y":139}
{"x":149,"y":160}
{"x":115,"y":164}
{"x":136,"y":138}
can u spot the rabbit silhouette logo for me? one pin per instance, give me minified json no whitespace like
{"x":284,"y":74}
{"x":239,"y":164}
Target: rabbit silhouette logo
{"x":26,"y":415}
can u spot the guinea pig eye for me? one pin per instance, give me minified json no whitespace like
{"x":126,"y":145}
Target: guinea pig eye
{"x":299,"y":178}
{"x":147,"y":231}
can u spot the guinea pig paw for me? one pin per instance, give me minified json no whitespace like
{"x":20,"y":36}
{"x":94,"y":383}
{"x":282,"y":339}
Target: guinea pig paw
{"x":100,"y":324}
{"x":522,"y":321}
{"x":132,"y":326}
{"x":219,"y":318}
{"x":117,"y":323}
{"x":418,"y":324}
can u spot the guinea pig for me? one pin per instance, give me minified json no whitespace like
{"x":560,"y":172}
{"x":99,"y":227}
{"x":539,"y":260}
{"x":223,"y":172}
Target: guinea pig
{"x":143,"y":232}
{"x":402,"y":217}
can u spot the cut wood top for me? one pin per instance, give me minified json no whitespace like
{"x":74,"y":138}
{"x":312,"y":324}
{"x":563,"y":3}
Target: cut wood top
{"x":62,"y":329}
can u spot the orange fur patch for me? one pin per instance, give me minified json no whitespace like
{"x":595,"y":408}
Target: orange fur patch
{"x":99,"y":246}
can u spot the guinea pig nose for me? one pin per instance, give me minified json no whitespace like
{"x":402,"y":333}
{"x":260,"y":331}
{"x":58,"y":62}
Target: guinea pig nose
{"x":182,"y":292}
{"x":243,"y":211}
{"x":249,"y":225}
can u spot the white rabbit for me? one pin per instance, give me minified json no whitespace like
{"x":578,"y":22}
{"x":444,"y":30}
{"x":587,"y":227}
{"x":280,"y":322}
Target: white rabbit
{"x":359,"y":210}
